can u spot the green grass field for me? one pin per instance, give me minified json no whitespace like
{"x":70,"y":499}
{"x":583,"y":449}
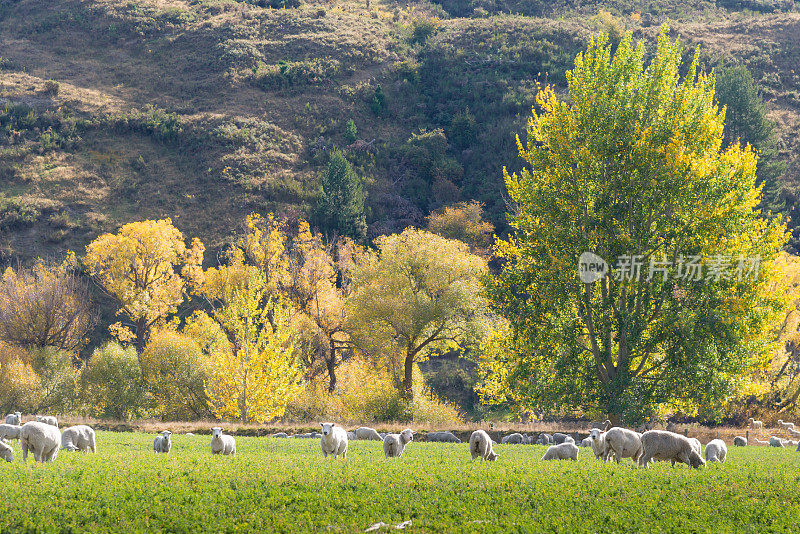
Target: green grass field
{"x":283,"y":485}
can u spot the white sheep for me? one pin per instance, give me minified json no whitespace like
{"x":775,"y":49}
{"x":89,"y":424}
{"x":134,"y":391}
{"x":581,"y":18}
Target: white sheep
{"x":280,"y":435}
{"x":222,"y":443}
{"x":163,"y":443}
{"x":351,"y":435}
{"x":78,"y":438}
{"x":668,"y":446}
{"x":516,"y":438}
{"x":623,"y":443}
{"x":559,"y":438}
{"x":716,"y":451}
{"x":442,"y":437}
{"x":598,"y":438}
{"x":756,"y":424}
{"x":586,"y":442}
{"x":6,"y":452}
{"x":368,"y":433}
{"x":563,"y":451}
{"x":775,"y":441}
{"x":40,"y":438}
{"x":334,"y":440}
{"x":696,"y":445}
{"x":544,"y":439}
{"x":394,"y":444}
{"x":785,"y":426}
{"x":14,"y":419}
{"x":9,"y":431}
{"x":760,"y":441}
{"x":740,"y":441}
{"x":51,"y":420}
{"x":480,"y":445}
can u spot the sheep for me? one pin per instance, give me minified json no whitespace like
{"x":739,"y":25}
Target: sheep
{"x":559,"y":438}
{"x":222,"y":443}
{"x":775,"y":441}
{"x":480,"y":444}
{"x":351,"y":435}
{"x":368,"y":433}
{"x":756,"y":424}
{"x":794,"y":432}
{"x":544,"y":439}
{"x":163,"y":443}
{"x":515,"y":438}
{"x":307,"y":435}
{"x":442,"y":437}
{"x":798,"y":447}
{"x":760,"y":442}
{"x":785,"y":426}
{"x":14,"y":419}
{"x":334,"y":440}
{"x":280,"y":435}
{"x":48,"y":420}
{"x":663,"y":445}
{"x":6,"y":452}
{"x":790,"y":442}
{"x":586,"y":442}
{"x":740,"y":441}
{"x":672,"y":427}
{"x":696,"y":445}
{"x":78,"y":438}
{"x":394,"y":444}
{"x":563,"y":451}
{"x":623,"y":443}
{"x":40,"y":438}
{"x":598,"y":443}
{"x":9,"y":431}
{"x":716,"y":451}
{"x":605,"y":425}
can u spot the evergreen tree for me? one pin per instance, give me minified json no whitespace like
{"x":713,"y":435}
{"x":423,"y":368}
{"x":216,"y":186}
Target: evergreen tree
{"x":340,"y":208}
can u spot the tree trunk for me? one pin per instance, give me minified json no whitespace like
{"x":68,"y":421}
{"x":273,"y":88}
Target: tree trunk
{"x":615,"y":419}
{"x":243,"y":399}
{"x":408,"y":380}
{"x":141,"y":334}
{"x":330,"y":362}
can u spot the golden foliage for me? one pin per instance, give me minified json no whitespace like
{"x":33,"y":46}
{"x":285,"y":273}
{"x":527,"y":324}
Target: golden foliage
{"x":19,"y":383}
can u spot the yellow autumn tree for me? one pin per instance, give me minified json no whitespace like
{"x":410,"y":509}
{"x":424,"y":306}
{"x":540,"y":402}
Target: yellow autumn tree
{"x":144,"y":267}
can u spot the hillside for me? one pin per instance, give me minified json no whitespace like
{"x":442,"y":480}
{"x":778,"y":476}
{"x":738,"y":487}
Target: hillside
{"x":205,"y":110}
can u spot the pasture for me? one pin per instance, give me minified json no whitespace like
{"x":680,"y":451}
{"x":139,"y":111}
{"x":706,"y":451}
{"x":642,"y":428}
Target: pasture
{"x":285,"y":485}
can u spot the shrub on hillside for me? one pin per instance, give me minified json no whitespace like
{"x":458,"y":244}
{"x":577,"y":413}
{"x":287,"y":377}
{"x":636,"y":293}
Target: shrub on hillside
{"x":111,"y":383}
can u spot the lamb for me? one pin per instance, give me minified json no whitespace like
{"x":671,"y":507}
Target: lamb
{"x":756,"y":424}
{"x":559,"y":438}
{"x":480,"y":444}
{"x":563,"y":451}
{"x":623,"y":443}
{"x":368,"y":433}
{"x":334,"y":440}
{"x":6,"y":452}
{"x":775,"y":441}
{"x":740,"y":441}
{"x":48,"y":420}
{"x":78,"y":438}
{"x":222,"y":443}
{"x":785,"y":426}
{"x":663,"y":445}
{"x":544,"y":439}
{"x":9,"y":431}
{"x":515,"y":438}
{"x":716,"y":451}
{"x":14,"y":419}
{"x":394,"y":444}
{"x":442,"y":437}
{"x":163,"y":443}
{"x":42,"y":439}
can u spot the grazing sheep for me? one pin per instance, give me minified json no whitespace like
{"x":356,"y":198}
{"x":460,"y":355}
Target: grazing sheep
{"x":48,"y":420}
{"x":78,"y":438}
{"x":515,"y":438}
{"x":740,"y":441}
{"x":716,"y":451}
{"x":442,"y":437}
{"x":9,"y":431}
{"x":351,"y":435}
{"x":760,"y":442}
{"x":586,"y":442}
{"x":600,"y":425}
{"x":559,"y":438}
{"x":222,"y":443}
{"x":696,"y":445}
{"x":333,"y":440}
{"x":544,"y":439}
{"x":163,"y":443}
{"x":756,"y":424}
{"x":668,"y":446}
{"x":368,"y":433}
{"x":307,"y":435}
{"x":280,"y":435}
{"x":6,"y":452}
{"x":480,"y":444}
{"x":394,"y":444}
{"x":14,"y":419}
{"x":775,"y":441}
{"x":785,"y":426}
{"x":623,"y":443}
{"x":563,"y":451}
{"x":40,"y":438}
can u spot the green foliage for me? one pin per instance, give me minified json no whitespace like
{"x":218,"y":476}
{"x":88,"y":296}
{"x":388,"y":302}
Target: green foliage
{"x":432,"y":173}
{"x":17,"y":212}
{"x":287,"y":74}
{"x":152,"y":120}
{"x":111,"y":383}
{"x":422,"y":28}
{"x":378,"y":102}
{"x":617,"y":173}
{"x":350,"y":132}
{"x":51,"y":87}
{"x":463,"y":130}
{"x":340,"y":210}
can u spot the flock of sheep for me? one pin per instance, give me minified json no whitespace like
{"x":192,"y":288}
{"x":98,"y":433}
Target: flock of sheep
{"x":43,"y":438}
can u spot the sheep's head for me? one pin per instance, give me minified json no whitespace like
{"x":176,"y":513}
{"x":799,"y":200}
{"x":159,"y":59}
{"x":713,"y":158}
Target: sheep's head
{"x":695,"y":460}
{"x":407,"y":435}
{"x":327,"y":429}
{"x":216,"y":431}
{"x":492,"y":456}
{"x":69,"y":447}
{"x":166,"y":434}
